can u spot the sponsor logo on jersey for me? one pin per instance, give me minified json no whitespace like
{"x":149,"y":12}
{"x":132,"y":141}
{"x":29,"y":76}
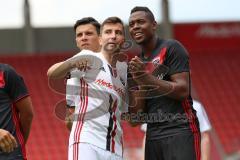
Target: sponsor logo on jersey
{"x":160,"y":76}
{"x":102,"y":82}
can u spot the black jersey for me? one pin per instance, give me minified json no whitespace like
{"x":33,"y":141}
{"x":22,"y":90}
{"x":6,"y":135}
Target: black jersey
{"x":167,"y":116}
{"x":12,"y":89}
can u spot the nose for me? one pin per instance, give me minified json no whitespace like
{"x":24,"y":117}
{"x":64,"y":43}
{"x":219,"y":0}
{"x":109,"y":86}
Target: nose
{"x":84,"y":37}
{"x":113,"y":35}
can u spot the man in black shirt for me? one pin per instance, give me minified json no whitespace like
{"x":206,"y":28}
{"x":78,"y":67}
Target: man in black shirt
{"x":162,"y":75}
{"x":16,"y":114}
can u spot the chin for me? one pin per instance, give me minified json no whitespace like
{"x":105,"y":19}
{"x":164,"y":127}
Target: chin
{"x":111,"y":48}
{"x":85,"y":47}
{"x":108,"y":49}
{"x":139,"y":41}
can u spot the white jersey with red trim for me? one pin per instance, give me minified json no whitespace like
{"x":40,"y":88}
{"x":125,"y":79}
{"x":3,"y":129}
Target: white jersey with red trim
{"x":98,"y":93}
{"x":204,"y":123}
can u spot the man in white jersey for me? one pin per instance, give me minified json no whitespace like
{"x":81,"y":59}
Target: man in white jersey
{"x":87,"y":37}
{"x":87,"y":32}
{"x":96,"y":133}
{"x":205,"y":128}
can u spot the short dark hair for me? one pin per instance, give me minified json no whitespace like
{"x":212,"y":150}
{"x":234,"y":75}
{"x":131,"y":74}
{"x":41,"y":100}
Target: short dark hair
{"x":144,"y":9}
{"x":112,"y":20}
{"x":88,"y":20}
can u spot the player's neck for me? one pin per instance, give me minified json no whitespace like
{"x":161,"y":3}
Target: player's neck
{"x":108,"y":56}
{"x":98,"y":49}
{"x":149,"y":46}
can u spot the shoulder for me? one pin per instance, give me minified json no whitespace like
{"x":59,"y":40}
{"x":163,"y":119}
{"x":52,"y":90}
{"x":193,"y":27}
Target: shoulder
{"x":7,"y":69}
{"x":172,"y":46}
{"x":122,"y":68}
{"x":176,"y":48}
{"x":175,"y":44}
{"x":169,"y":42}
{"x":122,"y":65}
{"x":172,"y":42}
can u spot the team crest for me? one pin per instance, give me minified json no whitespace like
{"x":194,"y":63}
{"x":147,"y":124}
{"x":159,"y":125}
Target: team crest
{"x":156,"y":61}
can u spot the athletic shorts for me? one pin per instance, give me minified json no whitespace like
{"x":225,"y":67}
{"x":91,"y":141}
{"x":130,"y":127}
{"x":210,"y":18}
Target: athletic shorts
{"x":179,"y":147}
{"x":82,"y":151}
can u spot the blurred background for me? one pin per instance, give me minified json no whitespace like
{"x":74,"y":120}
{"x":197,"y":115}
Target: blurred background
{"x":34,"y":34}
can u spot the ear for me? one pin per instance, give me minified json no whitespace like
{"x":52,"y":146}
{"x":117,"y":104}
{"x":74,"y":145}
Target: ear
{"x":154,"y":24}
{"x":76,"y":42}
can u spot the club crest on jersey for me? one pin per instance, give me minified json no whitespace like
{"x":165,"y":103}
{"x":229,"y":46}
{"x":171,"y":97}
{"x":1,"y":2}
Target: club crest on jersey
{"x":156,"y":61}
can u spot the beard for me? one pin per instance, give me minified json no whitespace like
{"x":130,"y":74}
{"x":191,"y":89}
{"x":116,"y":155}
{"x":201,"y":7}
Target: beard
{"x":113,"y":48}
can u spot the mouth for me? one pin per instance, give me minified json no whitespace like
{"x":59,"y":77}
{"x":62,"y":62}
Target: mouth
{"x":85,"y":45}
{"x":138,"y":35}
{"x":112,"y":44}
